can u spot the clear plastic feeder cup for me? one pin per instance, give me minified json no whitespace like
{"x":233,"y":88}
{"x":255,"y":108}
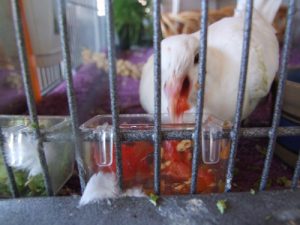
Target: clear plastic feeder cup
{"x":105,"y":136}
{"x":21,"y":148}
{"x":176,"y":155}
{"x":211,"y":141}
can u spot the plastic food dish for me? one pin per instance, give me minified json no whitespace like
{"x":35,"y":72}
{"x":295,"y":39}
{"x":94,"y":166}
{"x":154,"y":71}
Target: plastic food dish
{"x":21,"y":146}
{"x":176,"y":155}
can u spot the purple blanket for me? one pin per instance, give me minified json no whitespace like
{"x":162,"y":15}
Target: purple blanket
{"x":91,"y":87}
{"x":12,"y":100}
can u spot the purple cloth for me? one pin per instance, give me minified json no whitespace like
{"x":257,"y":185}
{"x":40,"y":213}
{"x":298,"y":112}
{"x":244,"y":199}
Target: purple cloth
{"x":294,"y":60}
{"x":90,"y":91}
{"x":91,"y":87}
{"x":12,"y":101}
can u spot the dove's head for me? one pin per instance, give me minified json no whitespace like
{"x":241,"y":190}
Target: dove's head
{"x":180,"y":58}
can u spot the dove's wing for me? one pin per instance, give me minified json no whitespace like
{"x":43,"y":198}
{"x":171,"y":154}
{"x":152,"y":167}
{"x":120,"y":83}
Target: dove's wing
{"x":224,"y":60}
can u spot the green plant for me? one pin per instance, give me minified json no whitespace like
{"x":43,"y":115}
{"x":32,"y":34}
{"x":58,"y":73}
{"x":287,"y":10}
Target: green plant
{"x":27,"y":186}
{"x":129,"y":17}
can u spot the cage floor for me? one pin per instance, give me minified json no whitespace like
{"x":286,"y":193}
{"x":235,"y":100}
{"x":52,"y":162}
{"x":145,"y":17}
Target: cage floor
{"x":281,"y":207}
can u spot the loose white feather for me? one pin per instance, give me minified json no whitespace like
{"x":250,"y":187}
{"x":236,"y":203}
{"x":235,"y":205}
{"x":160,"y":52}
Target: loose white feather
{"x":21,"y":154}
{"x":104,"y":186}
{"x":134,"y":192}
{"x":100,"y":186}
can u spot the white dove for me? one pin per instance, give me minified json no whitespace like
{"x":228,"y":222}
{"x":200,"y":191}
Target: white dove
{"x":180,"y":70}
{"x":179,"y":66}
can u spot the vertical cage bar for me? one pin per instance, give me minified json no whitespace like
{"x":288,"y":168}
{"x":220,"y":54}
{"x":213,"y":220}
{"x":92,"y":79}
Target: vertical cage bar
{"x":241,"y":91}
{"x":42,"y":78}
{"x":61,"y":4}
{"x":278,"y":103}
{"x":46,"y":77}
{"x":17,"y":19}
{"x":157,"y":94}
{"x":10,"y":174}
{"x":200,"y":94}
{"x":113,"y":88}
{"x":57,"y":76}
{"x":50,"y":76}
{"x":60,"y":71}
{"x":296,"y":174}
{"x":53,"y":68}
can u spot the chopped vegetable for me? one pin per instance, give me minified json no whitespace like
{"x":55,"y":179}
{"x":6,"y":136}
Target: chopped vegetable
{"x":227,"y":124}
{"x":36,"y":185}
{"x":222,"y":205}
{"x":252,"y":191}
{"x":153,"y":199}
{"x":236,"y":171}
{"x":183,"y":145}
{"x":257,"y":183}
{"x":268,"y":217}
{"x":33,"y":125}
{"x":176,"y":160}
{"x":33,"y":186}
{"x":261,"y":150}
{"x":283,"y":181}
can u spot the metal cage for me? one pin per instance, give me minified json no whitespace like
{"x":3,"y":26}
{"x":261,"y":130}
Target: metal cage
{"x":157,"y":135}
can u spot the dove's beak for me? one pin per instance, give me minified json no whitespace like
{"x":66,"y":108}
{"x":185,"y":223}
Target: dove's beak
{"x":177,"y":90}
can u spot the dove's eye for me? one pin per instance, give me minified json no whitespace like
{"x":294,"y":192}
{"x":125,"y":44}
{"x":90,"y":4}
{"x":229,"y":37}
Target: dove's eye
{"x":196,"y":59}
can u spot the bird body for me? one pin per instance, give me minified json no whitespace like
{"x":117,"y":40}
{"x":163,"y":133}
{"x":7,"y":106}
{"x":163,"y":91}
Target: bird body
{"x":224,"y":49}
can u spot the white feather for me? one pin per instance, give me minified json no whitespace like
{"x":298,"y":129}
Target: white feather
{"x":100,"y":186}
{"x":21,"y":154}
{"x":104,"y":186}
{"x":134,"y":192}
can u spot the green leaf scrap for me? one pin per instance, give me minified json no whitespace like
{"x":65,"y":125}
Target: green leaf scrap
{"x":283,"y":181}
{"x":222,"y":205}
{"x":153,"y":199}
{"x":268,"y":217}
{"x":33,"y":125}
